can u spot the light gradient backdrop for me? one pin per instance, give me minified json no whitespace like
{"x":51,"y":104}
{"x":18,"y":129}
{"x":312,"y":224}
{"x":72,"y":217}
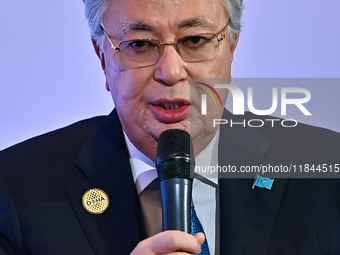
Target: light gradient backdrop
{"x":50,"y":76}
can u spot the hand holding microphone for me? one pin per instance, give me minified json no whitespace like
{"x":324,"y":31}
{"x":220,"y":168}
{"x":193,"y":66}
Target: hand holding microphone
{"x":175,"y":161}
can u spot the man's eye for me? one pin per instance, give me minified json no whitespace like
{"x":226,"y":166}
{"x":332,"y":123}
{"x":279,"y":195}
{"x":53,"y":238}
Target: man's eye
{"x":140,"y":45}
{"x":195,"y":41}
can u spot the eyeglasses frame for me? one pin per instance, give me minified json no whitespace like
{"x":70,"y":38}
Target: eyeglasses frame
{"x":221,"y":38}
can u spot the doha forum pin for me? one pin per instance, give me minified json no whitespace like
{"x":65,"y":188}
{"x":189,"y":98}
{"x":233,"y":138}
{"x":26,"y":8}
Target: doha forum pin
{"x":95,"y":201}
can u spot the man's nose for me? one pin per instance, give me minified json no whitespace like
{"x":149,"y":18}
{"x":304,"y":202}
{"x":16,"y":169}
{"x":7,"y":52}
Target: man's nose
{"x":170,"y":68}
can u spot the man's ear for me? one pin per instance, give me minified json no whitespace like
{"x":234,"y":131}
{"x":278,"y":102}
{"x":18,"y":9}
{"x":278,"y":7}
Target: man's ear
{"x":99,"y":53}
{"x":233,"y":47}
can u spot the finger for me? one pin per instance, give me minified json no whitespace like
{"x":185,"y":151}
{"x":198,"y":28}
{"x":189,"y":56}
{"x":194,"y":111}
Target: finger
{"x":173,"y":241}
{"x":180,"y":253}
{"x":200,"y":238}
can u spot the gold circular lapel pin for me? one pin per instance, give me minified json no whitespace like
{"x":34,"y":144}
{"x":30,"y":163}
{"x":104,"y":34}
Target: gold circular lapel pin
{"x":95,"y":201}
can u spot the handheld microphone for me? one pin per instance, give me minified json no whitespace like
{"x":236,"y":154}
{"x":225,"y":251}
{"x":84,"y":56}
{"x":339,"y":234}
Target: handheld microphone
{"x":175,"y":161}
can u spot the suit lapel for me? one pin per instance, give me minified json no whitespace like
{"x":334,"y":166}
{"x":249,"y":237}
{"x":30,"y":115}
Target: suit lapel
{"x":247,"y":216}
{"x":105,"y":162}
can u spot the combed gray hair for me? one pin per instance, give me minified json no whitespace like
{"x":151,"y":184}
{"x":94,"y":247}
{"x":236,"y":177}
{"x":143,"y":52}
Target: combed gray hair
{"x":234,"y":8}
{"x":95,"y":10}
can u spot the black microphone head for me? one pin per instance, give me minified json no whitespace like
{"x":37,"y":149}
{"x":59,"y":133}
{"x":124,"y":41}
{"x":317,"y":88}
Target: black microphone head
{"x":175,"y":157}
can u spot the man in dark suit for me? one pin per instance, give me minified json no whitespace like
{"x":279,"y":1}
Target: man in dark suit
{"x":48,"y":175}
{"x":44,"y":179}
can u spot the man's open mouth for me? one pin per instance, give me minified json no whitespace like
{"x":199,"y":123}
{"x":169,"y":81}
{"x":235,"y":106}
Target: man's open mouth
{"x":170,"y":111}
{"x":171,"y":106}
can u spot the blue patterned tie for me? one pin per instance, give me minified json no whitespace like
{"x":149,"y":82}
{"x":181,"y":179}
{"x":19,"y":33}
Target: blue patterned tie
{"x":196,"y":227}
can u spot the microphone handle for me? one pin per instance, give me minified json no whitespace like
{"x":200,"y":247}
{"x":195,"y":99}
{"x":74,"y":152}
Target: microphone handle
{"x":176,"y":201}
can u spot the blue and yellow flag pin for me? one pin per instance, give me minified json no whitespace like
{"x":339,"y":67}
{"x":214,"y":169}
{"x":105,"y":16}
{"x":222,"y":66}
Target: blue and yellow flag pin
{"x":262,"y":182}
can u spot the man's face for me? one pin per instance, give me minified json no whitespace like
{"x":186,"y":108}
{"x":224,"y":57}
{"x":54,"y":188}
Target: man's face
{"x":146,"y":98}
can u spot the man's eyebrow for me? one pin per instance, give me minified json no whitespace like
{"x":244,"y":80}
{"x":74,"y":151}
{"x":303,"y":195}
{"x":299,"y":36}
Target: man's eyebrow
{"x":134,"y":26}
{"x":195,"y":22}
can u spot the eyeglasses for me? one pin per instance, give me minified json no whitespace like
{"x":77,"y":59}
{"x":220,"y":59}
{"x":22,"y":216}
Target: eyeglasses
{"x":146,"y":52}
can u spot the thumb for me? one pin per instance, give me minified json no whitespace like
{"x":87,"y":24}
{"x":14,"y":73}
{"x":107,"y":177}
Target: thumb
{"x":200,"y":237}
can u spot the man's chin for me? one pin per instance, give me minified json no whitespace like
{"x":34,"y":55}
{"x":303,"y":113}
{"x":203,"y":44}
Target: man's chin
{"x":161,"y":127}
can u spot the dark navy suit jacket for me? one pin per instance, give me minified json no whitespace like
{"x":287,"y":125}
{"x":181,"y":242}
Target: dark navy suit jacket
{"x":42,"y":182}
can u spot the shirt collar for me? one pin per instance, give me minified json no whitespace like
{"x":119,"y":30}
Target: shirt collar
{"x":144,"y":169}
{"x":209,"y":157}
